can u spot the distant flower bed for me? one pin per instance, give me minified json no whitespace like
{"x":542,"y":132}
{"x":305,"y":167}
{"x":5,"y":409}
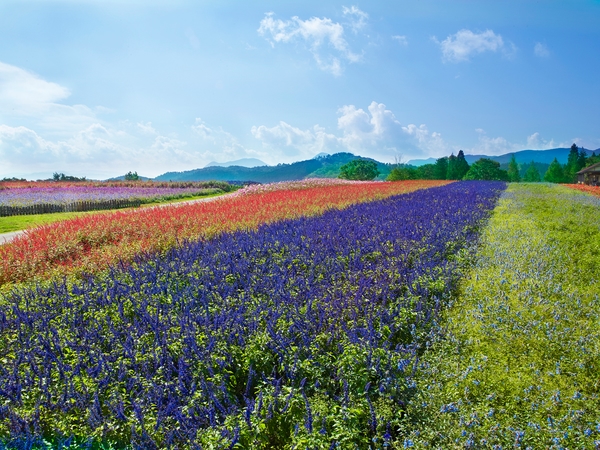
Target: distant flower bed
{"x":594,"y":190}
{"x":299,"y":185}
{"x":64,"y":195}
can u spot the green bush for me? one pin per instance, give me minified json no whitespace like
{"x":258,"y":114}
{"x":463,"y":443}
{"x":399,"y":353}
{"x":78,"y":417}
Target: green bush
{"x":359,"y":169}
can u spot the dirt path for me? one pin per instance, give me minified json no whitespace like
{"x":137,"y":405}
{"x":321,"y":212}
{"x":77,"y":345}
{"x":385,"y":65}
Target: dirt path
{"x":7,"y":237}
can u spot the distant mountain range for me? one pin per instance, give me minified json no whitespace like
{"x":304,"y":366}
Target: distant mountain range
{"x":322,"y":166}
{"x":244,"y":162}
{"x":522,"y":157}
{"x":328,"y":166}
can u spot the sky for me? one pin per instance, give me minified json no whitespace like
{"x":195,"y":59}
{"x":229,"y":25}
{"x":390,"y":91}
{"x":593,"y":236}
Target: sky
{"x":97,"y":88}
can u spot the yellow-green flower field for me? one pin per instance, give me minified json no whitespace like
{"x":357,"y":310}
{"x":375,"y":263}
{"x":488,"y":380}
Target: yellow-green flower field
{"x":519,"y":366}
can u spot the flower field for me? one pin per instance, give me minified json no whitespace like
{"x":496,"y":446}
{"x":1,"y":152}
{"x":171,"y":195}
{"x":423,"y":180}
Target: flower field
{"x":594,"y":190}
{"x":21,"y":194}
{"x":266,"y":333}
{"x":520,"y":365}
{"x":91,"y":243}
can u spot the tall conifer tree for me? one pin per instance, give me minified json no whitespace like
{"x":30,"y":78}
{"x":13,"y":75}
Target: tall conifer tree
{"x":513,"y":170}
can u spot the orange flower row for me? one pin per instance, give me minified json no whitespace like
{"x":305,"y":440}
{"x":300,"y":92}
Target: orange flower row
{"x":594,"y":190}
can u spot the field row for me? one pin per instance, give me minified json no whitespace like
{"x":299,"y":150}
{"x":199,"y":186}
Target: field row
{"x":64,"y":195}
{"x":302,"y":333}
{"x":91,"y":243}
{"x":519,"y":366}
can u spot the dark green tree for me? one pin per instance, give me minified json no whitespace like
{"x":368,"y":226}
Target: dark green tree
{"x":461,"y":165}
{"x":572,"y":167}
{"x":441,"y":168}
{"x":359,"y":169}
{"x":452,"y":173}
{"x":513,"y":170}
{"x":532,"y":175}
{"x":132,"y":176}
{"x":555,"y":173}
{"x":581,"y":159}
{"x":486,"y":169}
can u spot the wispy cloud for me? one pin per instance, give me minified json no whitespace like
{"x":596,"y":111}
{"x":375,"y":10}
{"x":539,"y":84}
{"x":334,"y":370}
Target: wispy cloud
{"x":499,"y":145}
{"x":402,"y":40}
{"x":358,"y":18}
{"x":540,"y":50}
{"x":465,"y":43}
{"x":324,"y":37}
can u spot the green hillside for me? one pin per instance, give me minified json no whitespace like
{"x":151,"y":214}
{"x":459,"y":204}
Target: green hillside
{"x":327,"y":166}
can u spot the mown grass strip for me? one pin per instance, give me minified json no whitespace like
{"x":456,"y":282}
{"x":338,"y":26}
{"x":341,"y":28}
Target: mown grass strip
{"x":520,"y":363}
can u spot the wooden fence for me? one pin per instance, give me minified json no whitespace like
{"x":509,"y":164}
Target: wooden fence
{"x":82,"y":205}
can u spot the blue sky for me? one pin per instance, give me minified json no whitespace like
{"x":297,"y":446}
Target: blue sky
{"x":99,"y":87}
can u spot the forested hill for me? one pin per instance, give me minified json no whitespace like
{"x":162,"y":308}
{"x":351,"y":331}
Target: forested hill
{"x":522,"y":157}
{"x":323,"y":167}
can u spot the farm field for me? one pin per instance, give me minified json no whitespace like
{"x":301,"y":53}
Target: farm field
{"x":91,"y":243}
{"x":458,"y":316}
{"x":296,"y":333}
{"x":519,"y":366}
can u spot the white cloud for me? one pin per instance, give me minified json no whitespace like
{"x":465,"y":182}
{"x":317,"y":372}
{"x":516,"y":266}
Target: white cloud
{"x":27,"y":98}
{"x":402,"y":40}
{"x":534,"y":142}
{"x":218,"y":143}
{"x":283,"y":142}
{"x":324,"y":38}
{"x":462,"y":45}
{"x":26,"y":92}
{"x":146,"y":128}
{"x":500,"y":145}
{"x":358,"y":18}
{"x":540,"y":50}
{"x":375,"y":132}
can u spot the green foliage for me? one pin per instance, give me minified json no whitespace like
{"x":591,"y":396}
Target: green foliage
{"x":406,"y":172}
{"x":359,"y":169}
{"x":519,"y":365}
{"x":62,"y":177}
{"x":426,"y":172}
{"x":441,"y":168}
{"x":486,"y":169}
{"x":132,"y":176}
{"x":532,"y":175}
{"x":457,"y":166}
{"x":594,"y":159}
{"x":576,"y":161}
{"x":403,"y":172}
{"x":513,"y":170}
{"x":555,"y":173}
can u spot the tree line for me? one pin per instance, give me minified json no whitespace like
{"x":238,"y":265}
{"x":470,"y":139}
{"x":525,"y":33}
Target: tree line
{"x":456,"y":167}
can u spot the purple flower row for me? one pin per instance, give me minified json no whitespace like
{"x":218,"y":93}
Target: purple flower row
{"x":64,"y":195}
{"x":247,"y":328}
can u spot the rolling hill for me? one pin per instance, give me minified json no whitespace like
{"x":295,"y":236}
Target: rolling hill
{"x":322,"y":166}
{"x":328,"y":166}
